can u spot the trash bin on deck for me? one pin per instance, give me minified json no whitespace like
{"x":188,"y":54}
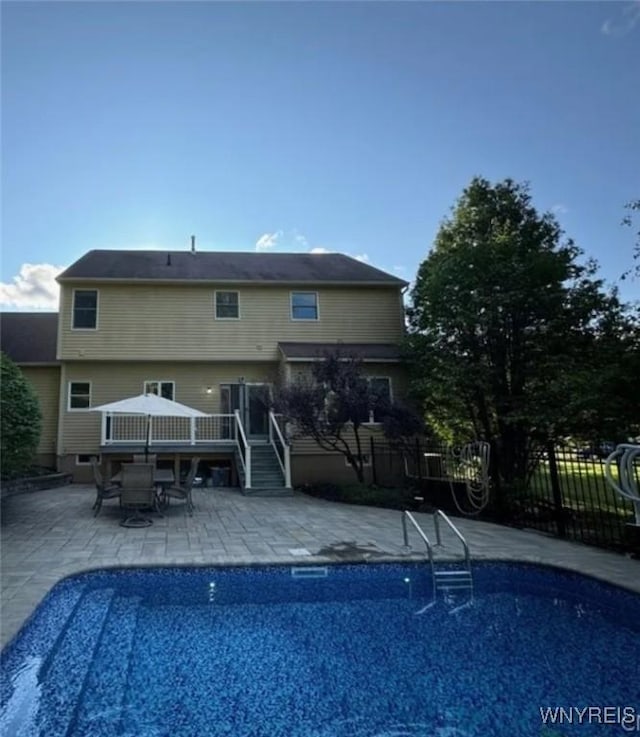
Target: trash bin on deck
{"x":220,"y":475}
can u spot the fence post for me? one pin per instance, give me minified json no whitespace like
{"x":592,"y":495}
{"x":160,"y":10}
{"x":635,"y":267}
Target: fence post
{"x":556,"y":490}
{"x":374,"y":475}
{"x":418,"y":461}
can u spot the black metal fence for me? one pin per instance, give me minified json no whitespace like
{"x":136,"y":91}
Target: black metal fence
{"x":567,"y":495}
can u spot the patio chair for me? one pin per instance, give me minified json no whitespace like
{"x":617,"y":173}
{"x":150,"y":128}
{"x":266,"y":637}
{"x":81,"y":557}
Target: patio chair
{"x":102,"y":490}
{"x":182,"y":492}
{"x":138,"y":492}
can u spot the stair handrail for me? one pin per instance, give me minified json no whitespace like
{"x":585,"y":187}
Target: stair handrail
{"x":286,"y":465}
{"x":439,"y":514}
{"x":628,"y":485}
{"x":244,"y":450}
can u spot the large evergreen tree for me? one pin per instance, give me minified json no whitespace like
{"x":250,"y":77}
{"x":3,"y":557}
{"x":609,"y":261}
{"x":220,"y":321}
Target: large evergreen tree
{"x":509,"y":332}
{"x":20,"y":419}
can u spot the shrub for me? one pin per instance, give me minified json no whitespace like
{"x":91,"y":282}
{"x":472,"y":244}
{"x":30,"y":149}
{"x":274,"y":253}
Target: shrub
{"x":360,"y":494}
{"x":20,"y":420}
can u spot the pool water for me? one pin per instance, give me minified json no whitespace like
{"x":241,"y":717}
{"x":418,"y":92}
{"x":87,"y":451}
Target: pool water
{"x":343,"y":651}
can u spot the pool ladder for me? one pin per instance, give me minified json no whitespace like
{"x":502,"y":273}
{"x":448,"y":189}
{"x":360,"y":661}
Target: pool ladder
{"x":447,"y":580}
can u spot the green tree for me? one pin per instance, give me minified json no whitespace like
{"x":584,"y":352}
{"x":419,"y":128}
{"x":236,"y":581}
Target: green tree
{"x":508,"y":329}
{"x":20,"y":419}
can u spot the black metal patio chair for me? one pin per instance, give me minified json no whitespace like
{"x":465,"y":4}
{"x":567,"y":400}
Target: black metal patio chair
{"x":182,"y":492}
{"x":103,"y":491}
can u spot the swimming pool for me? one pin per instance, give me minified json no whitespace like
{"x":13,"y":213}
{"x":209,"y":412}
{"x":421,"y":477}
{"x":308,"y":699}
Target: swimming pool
{"x":342,"y":651}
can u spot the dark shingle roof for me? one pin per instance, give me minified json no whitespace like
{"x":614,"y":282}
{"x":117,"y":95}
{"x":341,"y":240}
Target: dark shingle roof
{"x":364,"y":351}
{"x":227,"y":266}
{"x":29,"y":337}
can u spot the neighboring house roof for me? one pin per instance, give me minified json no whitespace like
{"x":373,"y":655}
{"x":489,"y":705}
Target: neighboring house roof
{"x":29,"y":337}
{"x":237,"y":267}
{"x":382,"y":352}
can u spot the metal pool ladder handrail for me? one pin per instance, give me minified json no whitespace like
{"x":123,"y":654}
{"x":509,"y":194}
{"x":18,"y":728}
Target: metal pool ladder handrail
{"x":408,"y":516}
{"x":447,"y":579}
{"x":439,"y":514}
{"x":627,"y":483}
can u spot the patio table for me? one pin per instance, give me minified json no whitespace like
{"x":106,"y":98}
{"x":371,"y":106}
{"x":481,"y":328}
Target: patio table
{"x":162,"y":478}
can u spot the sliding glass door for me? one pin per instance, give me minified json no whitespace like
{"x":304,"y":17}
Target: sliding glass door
{"x":252,"y":401}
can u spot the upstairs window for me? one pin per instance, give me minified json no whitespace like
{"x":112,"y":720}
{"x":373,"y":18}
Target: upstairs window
{"x":227,"y":305}
{"x":304,"y":306}
{"x":85,"y":309}
{"x":79,"y":395}
{"x":165,"y":389}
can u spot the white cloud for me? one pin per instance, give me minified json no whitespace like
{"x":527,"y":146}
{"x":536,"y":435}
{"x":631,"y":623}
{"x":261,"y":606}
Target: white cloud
{"x":362,"y":257}
{"x":399,"y":269}
{"x":35,"y":288}
{"x":626,"y":21}
{"x":559,"y":209}
{"x":320,"y":249}
{"x":280,"y":239}
{"x":300,"y":239}
{"x":268,"y":240}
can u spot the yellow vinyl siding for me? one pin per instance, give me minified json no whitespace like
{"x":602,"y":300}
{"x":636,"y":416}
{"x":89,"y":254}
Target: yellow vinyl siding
{"x":111,"y":381}
{"x":46,"y":382}
{"x":307,"y":446}
{"x":150,"y":322}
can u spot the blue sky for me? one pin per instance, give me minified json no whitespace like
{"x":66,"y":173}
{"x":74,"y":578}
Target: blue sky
{"x":295,"y":126}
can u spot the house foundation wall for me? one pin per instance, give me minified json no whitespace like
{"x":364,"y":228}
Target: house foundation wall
{"x":324,"y":469}
{"x":384,"y":469}
{"x":210,"y":465}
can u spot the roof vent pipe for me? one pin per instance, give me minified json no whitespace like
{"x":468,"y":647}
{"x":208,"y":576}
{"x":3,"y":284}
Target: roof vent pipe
{"x":193,"y":244}
{"x":168,"y":259}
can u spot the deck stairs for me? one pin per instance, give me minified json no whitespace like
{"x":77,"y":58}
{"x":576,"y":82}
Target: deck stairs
{"x":452,"y":582}
{"x":266,"y":474}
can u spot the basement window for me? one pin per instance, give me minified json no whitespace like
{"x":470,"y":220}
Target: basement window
{"x":366,"y":461}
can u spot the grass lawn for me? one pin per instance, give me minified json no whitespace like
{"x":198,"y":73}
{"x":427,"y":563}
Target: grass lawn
{"x":583,"y":486}
{"x":593,"y":512}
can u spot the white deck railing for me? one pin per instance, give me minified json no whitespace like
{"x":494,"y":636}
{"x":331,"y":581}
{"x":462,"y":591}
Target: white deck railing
{"x":244,"y":450}
{"x":121,"y":429}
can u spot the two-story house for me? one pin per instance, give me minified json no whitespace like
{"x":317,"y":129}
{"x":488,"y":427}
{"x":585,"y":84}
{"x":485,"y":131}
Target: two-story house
{"x":212,"y":330}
